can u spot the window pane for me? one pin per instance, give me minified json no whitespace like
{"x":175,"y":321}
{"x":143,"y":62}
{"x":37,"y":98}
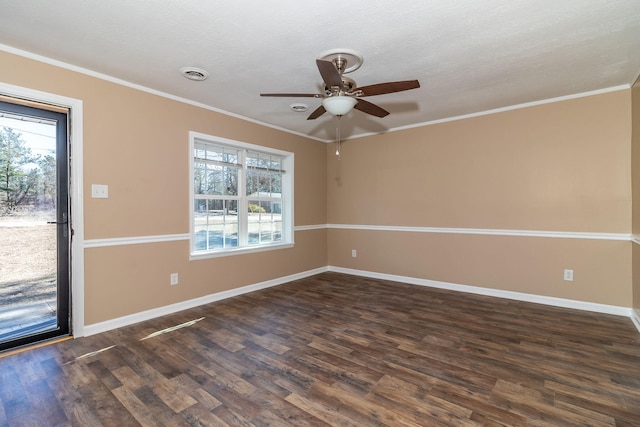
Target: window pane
{"x":276,"y":184}
{"x":221,"y":236}
{"x":264,"y":184}
{"x":215,"y":224}
{"x":264,"y":161}
{"x":199,"y":153}
{"x":252,"y":183}
{"x":200,"y":212}
{"x":200,"y":225}
{"x":216,"y":153}
{"x":265,"y":233}
{"x":223,"y":180}
{"x":214,"y":179}
{"x":255,"y":215}
{"x":270,"y":232}
{"x":264,"y":222}
{"x":199,"y":181}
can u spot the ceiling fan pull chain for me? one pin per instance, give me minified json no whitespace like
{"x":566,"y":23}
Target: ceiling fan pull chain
{"x":338,"y":135}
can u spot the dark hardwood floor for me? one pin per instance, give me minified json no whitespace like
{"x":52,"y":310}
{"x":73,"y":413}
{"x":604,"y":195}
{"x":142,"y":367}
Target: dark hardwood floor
{"x":337,"y":350}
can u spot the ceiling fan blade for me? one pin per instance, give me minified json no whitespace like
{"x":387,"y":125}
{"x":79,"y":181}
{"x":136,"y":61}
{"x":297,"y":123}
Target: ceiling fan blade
{"x":317,"y":113}
{"x":329,"y":73}
{"x":369,"y":108}
{"x":293,"y":95}
{"x":389,"y":87}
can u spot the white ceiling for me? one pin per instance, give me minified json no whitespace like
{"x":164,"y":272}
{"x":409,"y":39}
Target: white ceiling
{"x":469,"y":55}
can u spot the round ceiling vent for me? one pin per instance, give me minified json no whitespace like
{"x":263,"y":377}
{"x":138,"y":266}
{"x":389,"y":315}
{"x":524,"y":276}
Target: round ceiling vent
{"x":299,"y":108}
{"x":193,"y":73}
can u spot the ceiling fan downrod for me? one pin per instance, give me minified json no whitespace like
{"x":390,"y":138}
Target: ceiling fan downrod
{"x":341,"y":64}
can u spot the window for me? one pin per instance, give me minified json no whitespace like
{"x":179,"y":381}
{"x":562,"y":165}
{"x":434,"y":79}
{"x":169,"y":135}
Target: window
{"x":242,"y":197}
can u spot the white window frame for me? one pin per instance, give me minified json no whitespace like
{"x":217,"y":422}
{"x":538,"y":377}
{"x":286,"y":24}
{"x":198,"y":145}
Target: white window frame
{"x":287,"y":198}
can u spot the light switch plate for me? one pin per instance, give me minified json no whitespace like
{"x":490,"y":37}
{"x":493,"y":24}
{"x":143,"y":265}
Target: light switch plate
{"x":99,"y":191}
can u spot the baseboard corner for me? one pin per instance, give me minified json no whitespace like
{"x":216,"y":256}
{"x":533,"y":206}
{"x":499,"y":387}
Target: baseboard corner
{"x":635,"y":318}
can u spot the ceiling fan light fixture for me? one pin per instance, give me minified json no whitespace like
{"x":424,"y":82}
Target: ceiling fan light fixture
{"x":339,"y":105}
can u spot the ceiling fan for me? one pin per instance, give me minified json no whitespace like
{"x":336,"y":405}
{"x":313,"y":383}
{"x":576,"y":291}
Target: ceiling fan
{"x":341,"y":94}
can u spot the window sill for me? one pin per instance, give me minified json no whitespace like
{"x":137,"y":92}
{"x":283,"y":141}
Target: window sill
{"x":238,"y":251}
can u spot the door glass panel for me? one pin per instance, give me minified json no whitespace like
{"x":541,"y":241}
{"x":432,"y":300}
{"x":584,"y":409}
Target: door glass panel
{"x":33,"y":246}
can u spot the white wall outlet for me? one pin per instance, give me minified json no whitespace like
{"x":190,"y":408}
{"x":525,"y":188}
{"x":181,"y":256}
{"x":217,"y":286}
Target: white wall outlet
{"x":173,"y":279}
{"x":99,"y":191}
{"x":568,"y":275}
{"x":354,"y":253}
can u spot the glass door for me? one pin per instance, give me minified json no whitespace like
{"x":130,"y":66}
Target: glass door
{"x":34,"y":224}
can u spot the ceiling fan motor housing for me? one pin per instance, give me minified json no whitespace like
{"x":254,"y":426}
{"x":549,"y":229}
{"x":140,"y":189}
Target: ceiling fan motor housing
{"x":349,"y":85}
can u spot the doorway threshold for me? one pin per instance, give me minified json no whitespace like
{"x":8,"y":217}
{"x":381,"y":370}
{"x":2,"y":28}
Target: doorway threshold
{"x":33,"y":346}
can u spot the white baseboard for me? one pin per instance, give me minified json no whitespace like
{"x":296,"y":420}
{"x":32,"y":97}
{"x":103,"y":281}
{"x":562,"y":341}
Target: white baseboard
{"x":557,"y":302}
{"x":184,"y":305}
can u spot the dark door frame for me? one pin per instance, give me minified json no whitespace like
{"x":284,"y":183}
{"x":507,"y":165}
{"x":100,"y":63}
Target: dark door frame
{"x":62,"y":222}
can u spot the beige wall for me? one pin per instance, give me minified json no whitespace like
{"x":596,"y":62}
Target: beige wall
{"x":133,"y":271}
{"x":137,"y":143}
{"x":635,"y":162}
{"x":561,"y":167}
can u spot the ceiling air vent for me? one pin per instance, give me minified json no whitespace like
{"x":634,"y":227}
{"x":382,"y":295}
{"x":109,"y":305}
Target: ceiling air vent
{"x":192,"y":73}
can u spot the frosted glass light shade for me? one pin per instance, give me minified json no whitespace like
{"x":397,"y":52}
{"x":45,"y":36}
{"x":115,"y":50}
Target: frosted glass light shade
{"x":339,"y":105}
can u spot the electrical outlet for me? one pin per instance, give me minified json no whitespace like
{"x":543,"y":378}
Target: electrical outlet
{"x":568,"y":275}
{"x":173,"y":279}
{"x":354,"y":253}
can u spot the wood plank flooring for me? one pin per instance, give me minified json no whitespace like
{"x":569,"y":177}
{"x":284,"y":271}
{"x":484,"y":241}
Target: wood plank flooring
{"x":337,"y":350}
